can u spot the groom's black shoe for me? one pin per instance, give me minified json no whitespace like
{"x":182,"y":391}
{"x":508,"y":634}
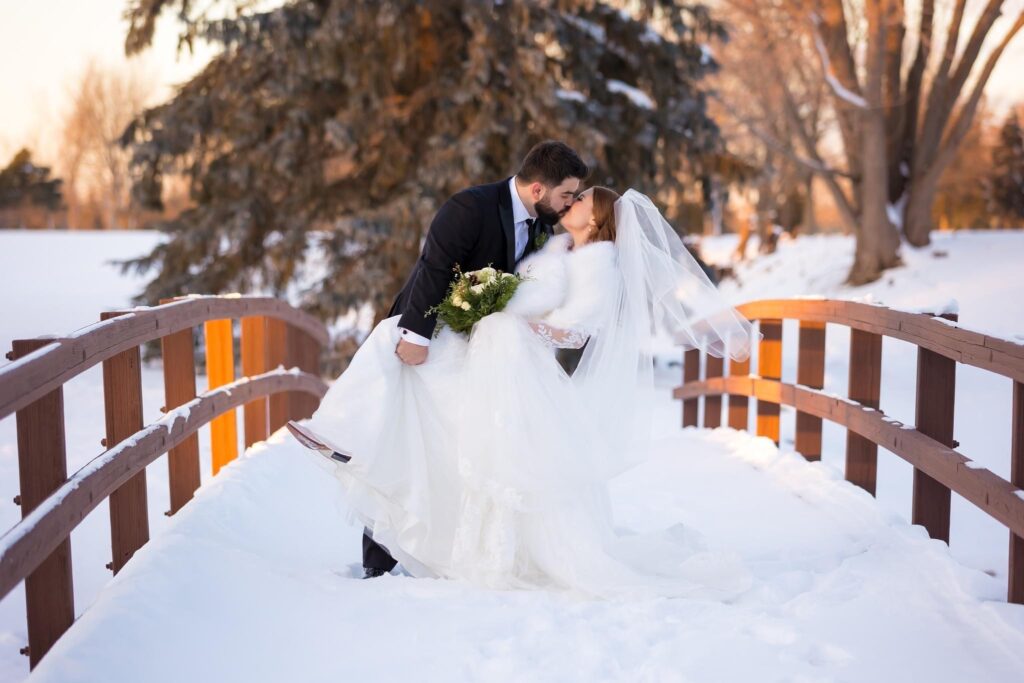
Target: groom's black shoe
{"x":372,"y":572}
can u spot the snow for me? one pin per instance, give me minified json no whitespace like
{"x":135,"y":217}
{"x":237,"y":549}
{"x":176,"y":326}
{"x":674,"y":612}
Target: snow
{"x":595,"y":31}
{"x":895,"y":210}
{"x":254,"y":579}
{"x":637,"y":96}
{"x":706,"y":54}
{"x":973,"y":273}
{"x":255,"y":589}
{"x":166,"y":422}
{"x":838,"y":88}
{"x":571,"y":95}
{"x":29,"y":357}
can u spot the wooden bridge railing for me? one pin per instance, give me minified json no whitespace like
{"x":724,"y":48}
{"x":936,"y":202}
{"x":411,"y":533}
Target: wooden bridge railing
{"x":280,"y":349}
{"x":929,"y":446}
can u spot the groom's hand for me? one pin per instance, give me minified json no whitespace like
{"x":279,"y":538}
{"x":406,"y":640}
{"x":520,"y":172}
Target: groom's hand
{"x":411,"y":354}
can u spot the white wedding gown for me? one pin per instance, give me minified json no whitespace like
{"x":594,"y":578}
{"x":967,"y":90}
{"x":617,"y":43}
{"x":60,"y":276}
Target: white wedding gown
{"x":486,"y":463}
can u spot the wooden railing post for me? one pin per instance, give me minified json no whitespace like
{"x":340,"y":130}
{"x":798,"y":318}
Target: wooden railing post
{"x":178,"y":352}
{"x":303,"y":353}
{"x":713,"y":367}
{"x":122,"y":399}
{"x":864,"y":388}
{"x":42,"y":467}
{"x":277,"y":354}
{"x":810,"y":372}
{"x":1015,"y":591}
{"x":220,"y":370}
{"x":769,"y":366}
{"x":691,"y":373}
{"x":739,"y":416}
{"x":936,"y":388}
{"x":255,"y":362}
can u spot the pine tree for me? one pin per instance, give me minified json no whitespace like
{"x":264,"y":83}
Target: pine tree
{"x":1007,"y":181}
{"x":346,"y":123}
{"x":23,"y":183}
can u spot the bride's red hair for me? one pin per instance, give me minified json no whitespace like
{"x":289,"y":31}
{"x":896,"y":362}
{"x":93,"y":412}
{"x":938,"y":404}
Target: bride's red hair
{"x":604,"y":213}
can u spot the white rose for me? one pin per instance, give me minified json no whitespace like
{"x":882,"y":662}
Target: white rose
{"x":457,"y":300}
{"x":477,"y":289}
{"x":486,"y":274}
{"x":465,"y":306}
{"x":508,"y":276}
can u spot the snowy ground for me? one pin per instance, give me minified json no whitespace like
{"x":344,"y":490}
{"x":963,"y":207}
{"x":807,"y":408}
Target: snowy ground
{"x":256,"y":583}
{"x":845,"y":588}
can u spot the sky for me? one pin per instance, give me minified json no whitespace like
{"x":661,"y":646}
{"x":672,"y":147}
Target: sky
{"x":44,"y":45}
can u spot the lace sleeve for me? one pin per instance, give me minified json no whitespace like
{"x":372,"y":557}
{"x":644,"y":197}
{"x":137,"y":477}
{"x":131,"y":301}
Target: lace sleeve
{"x":560,"y":338}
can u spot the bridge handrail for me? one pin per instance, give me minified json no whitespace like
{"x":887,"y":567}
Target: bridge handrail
{"x":928,"y":446}
{"x":24,"y":547}
{"x":280,"y":354}
{"x":940,"y":335}
{"x":26,"y":379}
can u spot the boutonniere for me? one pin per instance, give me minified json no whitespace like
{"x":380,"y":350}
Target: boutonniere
{"x":541,"y":239}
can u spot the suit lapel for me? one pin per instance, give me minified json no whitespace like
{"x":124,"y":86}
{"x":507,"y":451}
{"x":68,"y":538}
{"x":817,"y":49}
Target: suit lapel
{"x":507,"y":226}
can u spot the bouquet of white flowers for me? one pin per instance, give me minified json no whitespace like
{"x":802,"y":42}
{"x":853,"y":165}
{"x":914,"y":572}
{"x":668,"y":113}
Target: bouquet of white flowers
{"x":473,"y":296}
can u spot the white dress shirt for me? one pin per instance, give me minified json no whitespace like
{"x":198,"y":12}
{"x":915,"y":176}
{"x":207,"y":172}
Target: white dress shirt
{"x":520,"y":214}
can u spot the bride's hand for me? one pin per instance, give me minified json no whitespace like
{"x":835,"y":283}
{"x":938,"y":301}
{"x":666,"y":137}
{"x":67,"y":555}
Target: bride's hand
{"x":559,"y":338}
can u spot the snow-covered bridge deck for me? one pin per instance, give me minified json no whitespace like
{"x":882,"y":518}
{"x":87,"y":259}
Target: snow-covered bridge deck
{"x":256,"y":579}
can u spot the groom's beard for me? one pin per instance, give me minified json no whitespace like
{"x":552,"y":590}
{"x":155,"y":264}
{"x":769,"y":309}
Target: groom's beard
{"x":547,"y":213}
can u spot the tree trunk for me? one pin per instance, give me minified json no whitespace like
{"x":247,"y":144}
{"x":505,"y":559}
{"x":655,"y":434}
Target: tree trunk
{"x":877,"y":240}
{"x":917,"y":224}
{"x":808,"y":225}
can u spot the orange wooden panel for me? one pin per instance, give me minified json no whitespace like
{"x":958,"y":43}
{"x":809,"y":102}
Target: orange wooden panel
{"x":255,"y":362}
{"x":713,"y":367}
{"x":769,"y":366}
{"x":220,"y":370}
{"x":739,"y":405}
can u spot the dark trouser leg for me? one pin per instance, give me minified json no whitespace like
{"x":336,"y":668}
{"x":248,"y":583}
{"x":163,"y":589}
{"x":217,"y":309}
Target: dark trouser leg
{"x":374,"y":554}
{"x":569,"y":358}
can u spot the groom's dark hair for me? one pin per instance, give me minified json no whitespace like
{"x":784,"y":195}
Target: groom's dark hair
{"x":551,"y":162}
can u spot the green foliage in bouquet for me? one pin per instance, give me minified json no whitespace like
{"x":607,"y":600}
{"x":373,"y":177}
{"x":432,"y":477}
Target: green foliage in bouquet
{"x":473,"y":296}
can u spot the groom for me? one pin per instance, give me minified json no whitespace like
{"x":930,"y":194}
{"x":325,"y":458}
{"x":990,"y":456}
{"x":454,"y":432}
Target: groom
{"x":495,"y":224}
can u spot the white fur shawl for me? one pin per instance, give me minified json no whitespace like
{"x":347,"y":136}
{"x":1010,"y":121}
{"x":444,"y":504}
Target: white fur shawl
{"x":567,"y":289}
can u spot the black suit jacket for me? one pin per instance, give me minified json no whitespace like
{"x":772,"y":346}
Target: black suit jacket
{"x":473,"y":229}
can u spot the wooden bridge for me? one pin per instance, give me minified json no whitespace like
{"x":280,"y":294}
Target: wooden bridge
{"x":274,"y":336}
{"x":280,"y":347}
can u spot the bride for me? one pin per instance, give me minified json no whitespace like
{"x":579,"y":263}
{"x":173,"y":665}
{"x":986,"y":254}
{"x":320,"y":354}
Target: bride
{"x":489,"y":464}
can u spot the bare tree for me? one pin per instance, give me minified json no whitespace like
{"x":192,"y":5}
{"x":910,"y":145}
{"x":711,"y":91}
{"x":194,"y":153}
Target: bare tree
{"x":899,"y":126}
{"x":104,"y":100}
{"x":925,"y":113}
{"x":756,"y":127}
{"x":786,"y":100}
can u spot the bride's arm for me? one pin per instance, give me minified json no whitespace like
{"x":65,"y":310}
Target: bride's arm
{"x":560,"y":338}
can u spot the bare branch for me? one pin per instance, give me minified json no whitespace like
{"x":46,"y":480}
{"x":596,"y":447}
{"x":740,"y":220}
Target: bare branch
{"x":916,"y":73}
{"x":949,"y":52}
{"x":838,"y":89}
{"x":966,"y":62}
{"x":814,"y":165}
{"x":965,"y":115}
